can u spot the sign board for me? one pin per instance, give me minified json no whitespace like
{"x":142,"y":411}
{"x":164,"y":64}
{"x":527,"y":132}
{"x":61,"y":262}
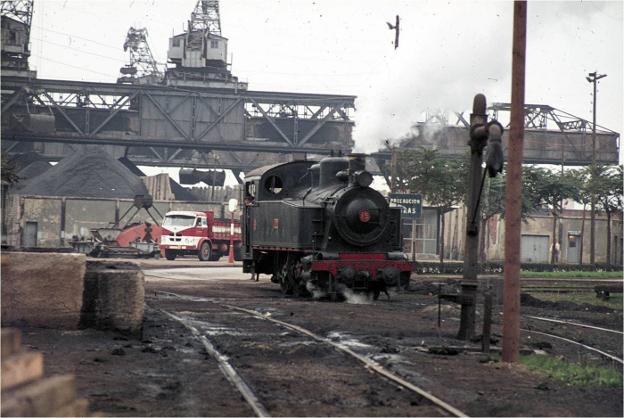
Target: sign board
{"x":410,"y":203}
{"x":232,"y":205}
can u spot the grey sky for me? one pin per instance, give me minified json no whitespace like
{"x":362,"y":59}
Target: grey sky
{"x":448,"y":51}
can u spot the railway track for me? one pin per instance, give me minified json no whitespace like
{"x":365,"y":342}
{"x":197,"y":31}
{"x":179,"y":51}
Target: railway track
{"x":340,"y":349}
{"x":572,"y":341}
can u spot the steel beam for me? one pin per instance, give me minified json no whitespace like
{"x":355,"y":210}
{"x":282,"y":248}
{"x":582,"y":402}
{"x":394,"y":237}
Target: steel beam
{"x":65,"y":138}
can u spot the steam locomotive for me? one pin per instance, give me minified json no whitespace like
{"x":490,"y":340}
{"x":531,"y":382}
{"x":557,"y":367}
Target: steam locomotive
{"x":318,"y":226}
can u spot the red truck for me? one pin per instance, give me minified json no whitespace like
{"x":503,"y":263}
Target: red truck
{"x":199,"y":233}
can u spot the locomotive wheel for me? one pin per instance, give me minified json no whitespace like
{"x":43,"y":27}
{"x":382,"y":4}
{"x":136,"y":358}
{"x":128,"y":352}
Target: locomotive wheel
{"x":300,"y":285}
{"x":284,"y":280}
{"x":290,"y":276}
{"x":205,"y":252}
{"x":170,"y":255}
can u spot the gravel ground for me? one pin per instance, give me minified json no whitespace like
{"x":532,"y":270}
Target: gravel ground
{"x":168,"y":372}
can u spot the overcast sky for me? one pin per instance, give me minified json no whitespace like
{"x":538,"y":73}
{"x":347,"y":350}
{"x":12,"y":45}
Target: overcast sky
{"x":448,"y":51}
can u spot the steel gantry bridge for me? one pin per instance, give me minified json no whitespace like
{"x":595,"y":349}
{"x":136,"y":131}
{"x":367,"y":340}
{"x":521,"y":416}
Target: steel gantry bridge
{"x":551,"y":136}
{"x":158,"y":125}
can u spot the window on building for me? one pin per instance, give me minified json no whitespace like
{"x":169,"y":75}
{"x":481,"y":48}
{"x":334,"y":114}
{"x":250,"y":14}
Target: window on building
{"x":214,"y":44}
{"x":175,"y":42}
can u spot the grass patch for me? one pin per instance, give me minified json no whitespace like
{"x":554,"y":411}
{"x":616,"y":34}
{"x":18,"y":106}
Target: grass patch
{"x":615,"y":301}
{"x":573,"y":373}
{"x":572,"y":274}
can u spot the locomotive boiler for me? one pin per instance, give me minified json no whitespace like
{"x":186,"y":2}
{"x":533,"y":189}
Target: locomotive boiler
{"x":318,"y":225}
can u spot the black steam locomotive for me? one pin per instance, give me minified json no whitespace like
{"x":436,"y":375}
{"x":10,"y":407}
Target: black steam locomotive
{"x":319,"y":226}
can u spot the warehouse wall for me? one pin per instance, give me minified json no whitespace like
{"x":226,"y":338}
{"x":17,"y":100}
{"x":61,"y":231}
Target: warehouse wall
{"x":538,"y":229}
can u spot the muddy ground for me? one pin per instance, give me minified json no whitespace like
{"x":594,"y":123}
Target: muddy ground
{"x":168,"y":373}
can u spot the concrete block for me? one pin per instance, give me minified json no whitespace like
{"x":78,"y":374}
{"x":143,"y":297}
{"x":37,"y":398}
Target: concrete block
{"x":39,"y":398}
{"x":111,"y":264}
{"x":77,"y":408}
{"x":21,"y":368}
{"x":11,"y":341}
{"x":42,"y":289}
{"x":114,"y":299}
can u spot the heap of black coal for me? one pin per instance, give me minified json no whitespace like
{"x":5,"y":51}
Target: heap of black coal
{"x":90,"y":172}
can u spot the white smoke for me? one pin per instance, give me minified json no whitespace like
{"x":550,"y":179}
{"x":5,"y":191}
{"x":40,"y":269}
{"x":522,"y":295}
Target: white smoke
{"x":317,"y":292}
{"x":355,"y":298}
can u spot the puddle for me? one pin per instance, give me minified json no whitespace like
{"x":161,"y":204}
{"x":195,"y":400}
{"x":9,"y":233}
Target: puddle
{"x":390,"y":358}
{"x":296,"y":343}
{"x":348,"y":341}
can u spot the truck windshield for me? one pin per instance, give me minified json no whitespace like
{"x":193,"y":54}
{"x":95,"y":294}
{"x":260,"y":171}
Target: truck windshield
{"x":179,"y":220}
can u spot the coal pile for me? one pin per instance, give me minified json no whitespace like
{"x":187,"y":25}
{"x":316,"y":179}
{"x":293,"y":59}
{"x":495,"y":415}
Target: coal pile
{"x":90,"y":172}
{"x":29,"y":165}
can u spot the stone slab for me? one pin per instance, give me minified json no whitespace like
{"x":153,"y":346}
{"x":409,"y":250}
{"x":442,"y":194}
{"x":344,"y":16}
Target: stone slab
{"x":11,"y":340}
{"x":39,"y":398}
{"x":42,"y":289}
{"x":21,"y":368}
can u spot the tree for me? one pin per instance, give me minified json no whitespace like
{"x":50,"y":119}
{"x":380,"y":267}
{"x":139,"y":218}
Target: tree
{"x":441,"y":182}
{"x":583,"y":196}
{"x":608,"y":187}
{"x":493,"y":199}
{"x":551,"y":190}
{"x":492,"y":204}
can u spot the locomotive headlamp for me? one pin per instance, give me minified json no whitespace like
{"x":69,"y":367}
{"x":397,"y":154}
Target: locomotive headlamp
{"x":364,"y":215}
{"x":363,"y":178}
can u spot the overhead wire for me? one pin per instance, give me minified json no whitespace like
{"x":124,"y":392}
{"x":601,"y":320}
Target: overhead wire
{"x":75,"y":66}
{"x":80,"y":50}
{"x":69,"y":35}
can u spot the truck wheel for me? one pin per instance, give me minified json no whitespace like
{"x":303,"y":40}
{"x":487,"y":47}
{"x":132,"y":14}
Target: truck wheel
{"x":215,"y":256}
{"x":204,"y":252}
{"x":170,"y":254}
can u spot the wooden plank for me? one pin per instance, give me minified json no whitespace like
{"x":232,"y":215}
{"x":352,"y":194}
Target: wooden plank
{"x":77,"y":408}
{"x":11,"y":339}
{"x":39,"y":398}
{"x":21,"y":368}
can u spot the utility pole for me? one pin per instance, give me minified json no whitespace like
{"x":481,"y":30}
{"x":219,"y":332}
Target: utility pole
{"x":593,"y":78}
{"x":513,"y":199}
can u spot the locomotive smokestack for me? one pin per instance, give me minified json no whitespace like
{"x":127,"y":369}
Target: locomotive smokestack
{"x":357,"y":170}
{"x":330,"y":166}
{"x":357,"y":162}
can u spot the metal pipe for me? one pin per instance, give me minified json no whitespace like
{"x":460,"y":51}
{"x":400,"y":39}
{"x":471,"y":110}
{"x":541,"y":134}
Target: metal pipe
{"x":478,"y":139}
{"x":513,"y":199}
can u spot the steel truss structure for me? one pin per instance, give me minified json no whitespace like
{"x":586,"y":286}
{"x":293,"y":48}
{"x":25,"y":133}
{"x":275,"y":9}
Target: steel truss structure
{"x":551,"y":136}
{"x":142,"y":67}
{"x":167,"y":126}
